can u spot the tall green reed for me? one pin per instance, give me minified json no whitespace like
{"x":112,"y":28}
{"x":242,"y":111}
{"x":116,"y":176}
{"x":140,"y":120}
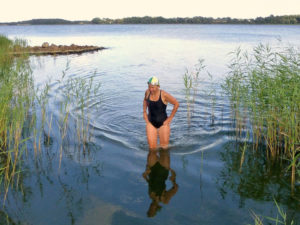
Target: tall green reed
{"x":77,"y":93}
{"x":198,"y":81}
{"x":264,"y":87}
{"x":191,"y":81}
{"x":16,"y":97}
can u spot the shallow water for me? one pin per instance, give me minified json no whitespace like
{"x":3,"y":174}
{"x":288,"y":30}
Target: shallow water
{"x":101,"y":182}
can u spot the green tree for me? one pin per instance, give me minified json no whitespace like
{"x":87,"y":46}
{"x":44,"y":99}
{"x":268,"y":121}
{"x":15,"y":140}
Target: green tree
{"x":96,"y":20}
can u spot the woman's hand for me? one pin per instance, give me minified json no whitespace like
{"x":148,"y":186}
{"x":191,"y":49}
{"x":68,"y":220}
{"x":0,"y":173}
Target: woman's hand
{"x":167,"y":121}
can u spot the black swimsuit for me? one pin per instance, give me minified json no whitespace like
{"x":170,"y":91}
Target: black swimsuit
{"x":157,"y":111}
{"x":157,"y":179}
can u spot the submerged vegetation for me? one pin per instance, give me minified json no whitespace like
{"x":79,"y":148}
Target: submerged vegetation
{"x":264,"y":91}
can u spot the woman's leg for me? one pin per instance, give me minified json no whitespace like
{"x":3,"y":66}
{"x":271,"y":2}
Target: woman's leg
{"x":164,"y":135}
{"x":164,"y":158}
{"x":152,"y":158}
{"x":151,"y":136}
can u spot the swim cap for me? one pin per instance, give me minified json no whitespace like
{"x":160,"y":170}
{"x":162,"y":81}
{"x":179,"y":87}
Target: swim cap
{"x":153,"y":80}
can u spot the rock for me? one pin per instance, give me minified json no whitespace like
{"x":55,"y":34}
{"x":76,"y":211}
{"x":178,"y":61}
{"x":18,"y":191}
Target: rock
{"x":45,"y":45}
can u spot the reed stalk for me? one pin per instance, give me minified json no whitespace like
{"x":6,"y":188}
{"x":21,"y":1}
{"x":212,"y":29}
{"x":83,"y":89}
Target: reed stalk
{"x":191,"y":81}
{"x":16,"y":98}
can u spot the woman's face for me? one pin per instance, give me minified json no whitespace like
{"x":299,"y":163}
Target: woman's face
{"x":153,"y":88}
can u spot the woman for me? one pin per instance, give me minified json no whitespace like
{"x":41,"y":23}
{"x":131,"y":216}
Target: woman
{"x":157,"y":121}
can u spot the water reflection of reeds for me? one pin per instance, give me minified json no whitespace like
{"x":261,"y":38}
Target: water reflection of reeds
{"x":256,"y":177}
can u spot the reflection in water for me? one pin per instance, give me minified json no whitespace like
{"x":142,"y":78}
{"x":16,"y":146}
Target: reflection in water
{"x":41,"y":178}
{"x":255,"y":177}
{"x":156,"y":174}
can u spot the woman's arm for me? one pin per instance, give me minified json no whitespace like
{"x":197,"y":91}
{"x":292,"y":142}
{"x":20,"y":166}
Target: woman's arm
{"x":145,"y":105}
{"x":146,"y":173}
{"x":169,"y":98}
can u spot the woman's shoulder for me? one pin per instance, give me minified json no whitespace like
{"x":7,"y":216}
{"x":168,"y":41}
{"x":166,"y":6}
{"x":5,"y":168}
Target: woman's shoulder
{"x":164,"y":96}
{"x":164,"y":93}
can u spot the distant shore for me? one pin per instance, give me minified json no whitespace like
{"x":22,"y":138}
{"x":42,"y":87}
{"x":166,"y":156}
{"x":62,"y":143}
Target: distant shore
{"x":276,"y":20}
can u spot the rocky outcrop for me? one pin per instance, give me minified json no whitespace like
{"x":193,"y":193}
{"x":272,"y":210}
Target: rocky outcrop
{"x":45,"y":45}
{"x":47,"y":49}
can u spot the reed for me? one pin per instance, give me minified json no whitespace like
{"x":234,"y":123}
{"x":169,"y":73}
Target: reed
{"x":188,"y":83}
{"x":264,"y":86}
{"x":16,"y":98}
{"x":78,"y":92}
{"x":281,"y":217}
{"x":74,"y":116}
{"x":191,"y":81}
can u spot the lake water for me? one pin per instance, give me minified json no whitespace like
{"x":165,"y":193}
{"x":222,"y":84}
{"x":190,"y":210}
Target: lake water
{"x":102,"y":183}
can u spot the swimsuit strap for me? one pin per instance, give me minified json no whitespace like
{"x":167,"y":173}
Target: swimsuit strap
{"x":161,"y":98}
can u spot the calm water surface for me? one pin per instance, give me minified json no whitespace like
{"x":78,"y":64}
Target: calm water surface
{"x":103,"y":183}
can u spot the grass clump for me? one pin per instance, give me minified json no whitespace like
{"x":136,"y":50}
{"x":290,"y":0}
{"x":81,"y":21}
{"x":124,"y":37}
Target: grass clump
{"x":264,"y":86}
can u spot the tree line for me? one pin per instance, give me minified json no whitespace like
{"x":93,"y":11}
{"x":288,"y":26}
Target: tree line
{"x":292,"y":19}
{"x":289,"y":19}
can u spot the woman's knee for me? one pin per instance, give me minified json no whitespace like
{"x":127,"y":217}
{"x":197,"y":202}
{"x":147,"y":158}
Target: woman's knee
{"x":164,"y":135}
{"x":152,"y":145}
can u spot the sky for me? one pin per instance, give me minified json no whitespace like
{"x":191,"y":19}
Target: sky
{"x":19,"y":10}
